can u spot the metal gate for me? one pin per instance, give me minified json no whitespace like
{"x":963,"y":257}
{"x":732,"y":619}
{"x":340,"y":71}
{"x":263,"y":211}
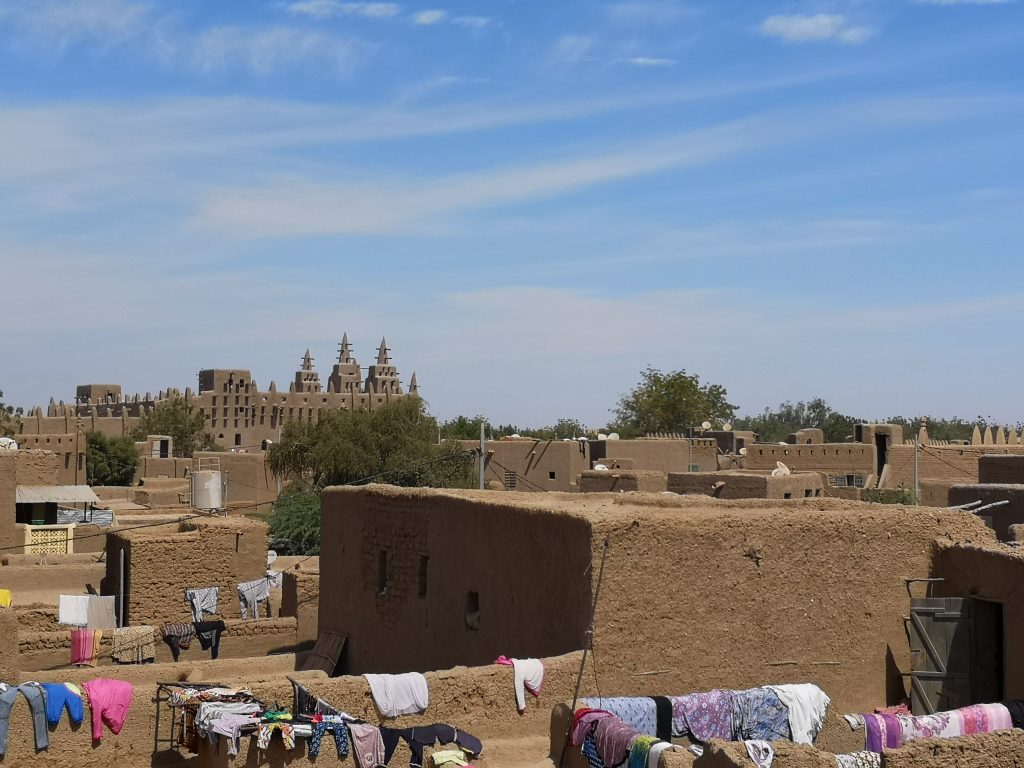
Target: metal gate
{"x":940,"y":653}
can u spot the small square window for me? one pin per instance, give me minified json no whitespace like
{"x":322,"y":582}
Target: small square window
{"x":551,"y":475}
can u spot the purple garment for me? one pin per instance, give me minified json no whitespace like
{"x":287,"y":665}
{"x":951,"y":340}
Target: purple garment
{"x":231,"y":725}
{"x":614,"y":738}
{"x":703,"y":716}
{"x":585,"y":723}
{"x":882,"y":732}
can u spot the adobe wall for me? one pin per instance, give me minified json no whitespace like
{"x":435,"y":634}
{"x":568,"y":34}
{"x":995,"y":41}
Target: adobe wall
{"x":10,"y":536}
{"x":514,"y":560}
{"x":827,"y":458}
{"x":1002,"y":749}
{"x":1002,"y":517}
{"x":8,"y":644}
{"x":161,"y":565}
{"x":44,"y":584}
{"x":809,"y":436}
{"x":36,"y":467}
{"x":991,"y":572}
{"x":1001,"y":469}
{"x":814,"y":577}
{"x":934,"y":493}
{"x":70,"y":450}
{"x":620,"y":480}
{"x":955,"y":463}
{"x":249,"y":479}
{"x":300,"y":597}
{"x":747,"y":485}
{"x":549,"y":465}
{"x":665,"y":455}
{"x":154,"y":466}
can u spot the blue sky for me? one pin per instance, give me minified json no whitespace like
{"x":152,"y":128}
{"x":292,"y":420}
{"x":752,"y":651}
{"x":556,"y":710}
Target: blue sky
{"x":532,"y":200}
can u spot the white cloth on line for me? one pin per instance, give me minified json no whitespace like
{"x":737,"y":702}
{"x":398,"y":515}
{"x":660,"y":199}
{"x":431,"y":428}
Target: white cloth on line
{"x":202,"y":601}
{"x":654,"y":754}
{"x":528,"y":674}
{"x":396,"y":695}
{"x":760,"y":752}
{"x":73,"y":610}
{"x":275,"y":579}
{"x":807,"y":706}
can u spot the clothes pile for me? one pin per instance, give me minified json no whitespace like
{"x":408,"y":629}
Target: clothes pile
{"x":109,"y":703}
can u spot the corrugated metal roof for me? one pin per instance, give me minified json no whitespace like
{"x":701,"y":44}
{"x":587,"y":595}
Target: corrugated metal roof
{"x":61,"y":494}
{"x":101,"y":517}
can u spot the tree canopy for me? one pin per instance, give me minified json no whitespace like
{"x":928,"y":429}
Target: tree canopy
{"x":181,"y":422}
{"x":109,"y":460}
{"x":670,"y":402}
{"x":774,"y":426}
{"x":10,"y":418}
{"x":295,"y":522}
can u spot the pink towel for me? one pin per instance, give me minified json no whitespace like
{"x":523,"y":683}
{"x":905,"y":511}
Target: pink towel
{"x":84,"y":646}
{"x":109,"y":701}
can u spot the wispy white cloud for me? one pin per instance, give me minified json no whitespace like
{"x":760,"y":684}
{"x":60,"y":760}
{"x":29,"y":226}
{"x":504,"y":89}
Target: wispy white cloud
{"x":473,"y":22}
{"x":325,"y":9}
{"x":430,"y":17}
{"x":571,"y":49}
{"x":61,"y":24}
{"x":649,"y":61}
{"x":819,"y":27}
{"x":640,"y":12}
{"x":267,"y":50}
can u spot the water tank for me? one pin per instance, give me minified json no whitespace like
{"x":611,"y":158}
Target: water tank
{"x":207,"y":490}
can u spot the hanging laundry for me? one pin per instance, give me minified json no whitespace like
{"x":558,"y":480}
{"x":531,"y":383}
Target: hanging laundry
{"x":85,"y":646}
{"x":231,"y":725}
{"x":760,"y":752}
{"x":367,"y":745}
{"x":423,"y":736}
{"x":703,"y":716}
{"x":639,"y":750}
{"x":202,"y":601}
{"x":133,"y":645}
{"x":859,"y":760}
{"x":251,"y":594}
{"x":639,"y":712}
{"x":528,"y":675}
{"x":33,"y":693}
{"x":807,"y":707}
{"x":209,"y":633}
{"x":60,"y":697}
{"x":178,"y":635}
{"x":758,"y":714}
{"x":395,"y":695}
{"x":583,"y":722}
{"x":589,"y":750}
{"x":275,"y":579}
{"x":613,"y":738}
{"x":334,"y":725}
{"x":266,"y":731}
{"x":881,"y":732}
{"x":73,"y":610}
{"x":109,"y":702}
{"x":5,"y":598}
{"x":99,"y":612}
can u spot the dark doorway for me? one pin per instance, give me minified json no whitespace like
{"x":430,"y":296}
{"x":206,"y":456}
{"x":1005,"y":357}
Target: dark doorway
{"x":881,"y":453}
{"x":986,"y":651}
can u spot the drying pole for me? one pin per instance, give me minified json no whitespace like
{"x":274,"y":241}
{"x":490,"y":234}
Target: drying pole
{"x":483,"y":454}
{"x":588,"y":642}
{"x":917,"y":470}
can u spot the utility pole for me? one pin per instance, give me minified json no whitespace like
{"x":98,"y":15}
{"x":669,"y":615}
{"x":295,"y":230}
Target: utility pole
{"x":917,"y":469}
{"x":689,"y":451}
{"x":483,"y":453}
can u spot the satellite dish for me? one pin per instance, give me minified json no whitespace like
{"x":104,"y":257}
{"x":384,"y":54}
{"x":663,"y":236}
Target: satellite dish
{"x":743,"y":451}
{"x":515,"y":435}
{"x":271,"y":556}
{"x":601,"y":437}
{"x":781,"y":470}
{"x":706,"y":425}
{"x":7,"y":444}
{"x":613,"y":436}
{"x":600,"y":468}
{"x":727,"y":427}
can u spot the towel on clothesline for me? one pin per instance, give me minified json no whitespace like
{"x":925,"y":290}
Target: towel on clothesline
{"x":275,"y":579}
{"x":133,"y":645}
{"x":529,"y":675}
{"x":397,"y":695}
{"x":99,"y":612}
{"x":85,"y":646}
{"x":251,"y":594}
{"x":202,"y":601}
{"x":638,"y":712}
{"x":807,"y":707}
{"x":73,"y":610}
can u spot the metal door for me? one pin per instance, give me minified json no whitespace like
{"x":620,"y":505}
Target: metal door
{"x":940,"y":653}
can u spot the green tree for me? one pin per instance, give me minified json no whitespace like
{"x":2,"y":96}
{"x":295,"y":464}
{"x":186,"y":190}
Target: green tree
{"x":295,"y":522}
{"x":396,"y":442}
{"x":774,"y":426}
{"x":463,"y":427}
{"x":109,"y":460}
{"x":670,"y":402}
{"x":181,"y":422}
{"x":10,"y":418}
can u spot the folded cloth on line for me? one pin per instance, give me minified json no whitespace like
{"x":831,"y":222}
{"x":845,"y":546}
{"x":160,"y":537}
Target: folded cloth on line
{"x":638,"y":712}
{"x":758,"y":714}
{"x":85,"y":646}
{"x":613,"y":738}
{"x":528,"y":674}
{"x":367,"y":745}
{"x":73,"y":610}
{"x":760,"y":752}
{"x":807,"y":707}
{"x":396,"y":695}
{"x":99,"y":613}
{"x":583,"y":722}
{"x":703,"y":716}
{"x":275,"y":579}
{"x":202,"y":601}
{"x":133,"y":645}
{"x":639,"y":750}
{"x":881,"y":732}
{"x":250,"y":595}
{"x":231,"y":725}
{"x":209,"y":633}
{"x":178,"y":635}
